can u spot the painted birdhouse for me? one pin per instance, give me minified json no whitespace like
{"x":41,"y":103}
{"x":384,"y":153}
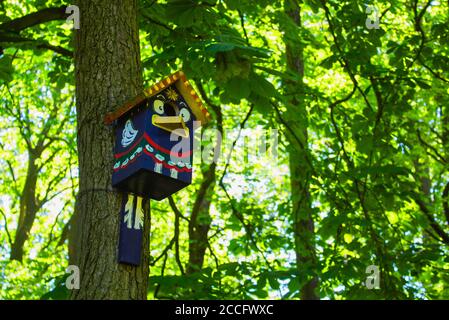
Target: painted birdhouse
{"x":154,"y":138}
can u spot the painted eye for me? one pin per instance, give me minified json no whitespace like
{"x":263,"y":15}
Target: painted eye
{"x":185,"y":114}
{"x":158,"y":106}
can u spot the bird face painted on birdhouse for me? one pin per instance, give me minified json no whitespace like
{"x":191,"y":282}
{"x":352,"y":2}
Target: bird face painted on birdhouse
{"x":154,"y":139}
{"x":171,"y":116}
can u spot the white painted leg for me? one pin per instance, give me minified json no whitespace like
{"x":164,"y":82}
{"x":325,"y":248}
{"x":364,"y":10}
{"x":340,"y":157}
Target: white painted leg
{"x":138,"y":220}
{"x":129,"y":211}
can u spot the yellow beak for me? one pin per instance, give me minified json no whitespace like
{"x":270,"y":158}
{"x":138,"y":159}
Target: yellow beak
{"x":173,"y":124}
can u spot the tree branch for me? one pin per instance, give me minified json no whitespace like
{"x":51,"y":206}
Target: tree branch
{"x":35,"y":18}
{"x":437,"y":156}
{"x":342,"y":59}
{"x":175,"y":208}
{"x":292,"y":132}
{"x":433,"y":72}
{"x":39,"y":44}
{"x":6,"y":227}
{"x":242,"y":23}
{"x":445,"y":199}
{"x":435,"y":226}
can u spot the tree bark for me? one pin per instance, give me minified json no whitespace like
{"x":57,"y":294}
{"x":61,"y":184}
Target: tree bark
{"x":300,"y":170}
{"x":108,"y":72}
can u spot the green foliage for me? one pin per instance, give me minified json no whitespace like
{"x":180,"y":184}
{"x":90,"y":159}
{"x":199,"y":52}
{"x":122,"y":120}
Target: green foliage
{"x":6,"y":69}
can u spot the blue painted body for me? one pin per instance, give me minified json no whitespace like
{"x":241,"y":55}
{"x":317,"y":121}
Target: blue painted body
{"x":131,"y":231}
{"x":152,"y":165}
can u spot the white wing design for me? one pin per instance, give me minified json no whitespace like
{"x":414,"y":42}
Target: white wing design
{"x":128,"y":134}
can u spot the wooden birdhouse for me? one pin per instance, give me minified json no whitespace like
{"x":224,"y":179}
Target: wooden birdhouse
{"x":154,"y":138}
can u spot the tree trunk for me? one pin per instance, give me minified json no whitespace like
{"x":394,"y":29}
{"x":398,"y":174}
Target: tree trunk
{"x":28,"y":209}
{"x":300,"y":171}
{"x":108,"y":72}
{"x":200,"y":220}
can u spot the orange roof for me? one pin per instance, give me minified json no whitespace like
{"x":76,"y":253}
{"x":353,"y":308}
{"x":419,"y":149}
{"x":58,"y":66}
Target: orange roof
{"x":185,"y":89}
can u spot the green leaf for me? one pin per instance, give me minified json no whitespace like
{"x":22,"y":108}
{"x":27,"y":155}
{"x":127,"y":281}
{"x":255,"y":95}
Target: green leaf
{"x":422,"y":84}
{"x":6,"y":69}
{"x":262,"y":104}
{"x":329,"y":61}
{"x":263,"y":87}
{"x":238,"y":87}
{"x":220,"y":47}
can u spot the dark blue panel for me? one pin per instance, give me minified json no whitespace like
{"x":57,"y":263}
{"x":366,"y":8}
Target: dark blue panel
{"x":131,"y":229}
